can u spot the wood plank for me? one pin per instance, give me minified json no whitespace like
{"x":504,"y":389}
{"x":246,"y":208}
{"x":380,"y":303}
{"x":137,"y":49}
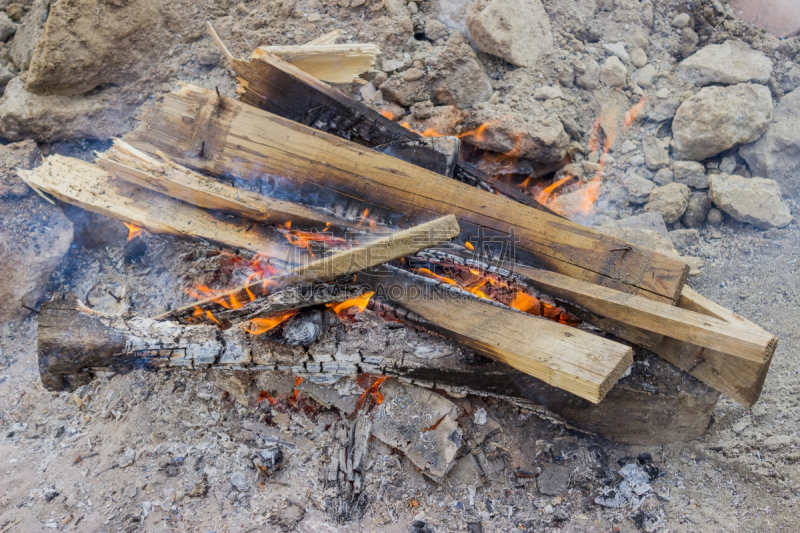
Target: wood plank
{"x":90,"y":187}
{"x":568,"y":358}
{"x":134,"y":166}
{"x":740,"y":379}
{"x":675,"y":322}
{"x":272,"y":84}
{"x":223,"y":137}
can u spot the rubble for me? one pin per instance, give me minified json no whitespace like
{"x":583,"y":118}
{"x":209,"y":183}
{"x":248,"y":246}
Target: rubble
{"x":718,"y":118}
{"x":776,"y":155}
{"x":670,"y":201}
{"x":756,"y":201}
{"x":728,"y":63}
{"x":518,"y":32}
{"x":690,"y":173}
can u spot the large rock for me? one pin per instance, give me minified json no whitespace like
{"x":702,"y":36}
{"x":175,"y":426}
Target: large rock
{"x":453,"y":76}
{"x":728,"y":63}
{"x":516,"y":31}
{"x":718,"y":118}
{"x":776,"y":155}
{"x":532,"y":135}
{"x":34,"y":235}
{"x":62,"y":118}
{"x":756,"y":201}
{"x":671,"y":201}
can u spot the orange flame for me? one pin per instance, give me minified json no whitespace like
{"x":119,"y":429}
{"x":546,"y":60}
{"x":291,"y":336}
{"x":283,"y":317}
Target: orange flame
{"x":262,"y":325}
{"x":469,"y":246}
{"x":524,"y":302}
{"x":133,"y":231}
{"x":388,"y":114}
{"x":359,"y":302}
{"x":545,"y":194}
{"x":370,"y":390}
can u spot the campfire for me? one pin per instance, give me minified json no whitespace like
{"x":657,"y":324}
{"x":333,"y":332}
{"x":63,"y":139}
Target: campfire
{"x":365,"y":212}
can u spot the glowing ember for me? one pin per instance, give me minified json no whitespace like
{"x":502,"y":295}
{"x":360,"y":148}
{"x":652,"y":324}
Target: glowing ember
{"x":388,"y":114}
{"x":370,"y":384}
{"x":133,"y":231}
{"x":359,"y":303}
{"x":469,"y":246}
{"x":306,"y":239}
{"x":524,"y":302}
{"x":262,"y":325}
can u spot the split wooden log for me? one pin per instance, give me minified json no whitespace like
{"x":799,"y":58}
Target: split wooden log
{"x":77,"y":345}
{"x":90,"y":187}
{"x":272,"y":84}
{"x":125,"y":162}
{"x":223,"y":137}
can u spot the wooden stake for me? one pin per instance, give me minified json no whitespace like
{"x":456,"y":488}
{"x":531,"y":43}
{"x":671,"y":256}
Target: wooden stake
{"x":240,"y":140}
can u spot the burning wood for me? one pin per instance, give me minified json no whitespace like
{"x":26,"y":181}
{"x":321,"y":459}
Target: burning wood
{"x":240,"y":140}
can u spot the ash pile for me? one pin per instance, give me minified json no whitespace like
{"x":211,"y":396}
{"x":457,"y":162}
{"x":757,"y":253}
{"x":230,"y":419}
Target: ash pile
{"x":378,"y":264}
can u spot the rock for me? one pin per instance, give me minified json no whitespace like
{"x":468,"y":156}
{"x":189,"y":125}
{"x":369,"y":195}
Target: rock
{"x":28,"y":34}
{"x":727,"y":165}
{"x":531,"y":136}
{"x":718,"y":118}
{"x":101,"y":115}
{"x":454,"y":77}
{"x":466,"y":472}
{"x":413,"y":74}
{"x":638,"y":57}
{"x":663,"y":108}
{"x":200,"y":489}
{"x":671,"y":201}
{"x":776,"y":155}
{"x":614,"y":73}
{"x":554,"y":479}
{"x":664,"y":176}
{"x":777,"y":443}
{"x":290,"y":516}
{"x":756,"y":201}
{"x":515,"y":31}
{"x":791,"y":80}
{"x":34,"y":235}
{"x":690,"y":173}
{"x":434,"y":30}
{"x":480,"y":416}
{"x":656,"y":152}
{"x":390,"y":65}
{"x":127,"y":458}
{"x":15,"y":11}
{"x":618,"y":50}
{"x":681,"y":21}
{"x":239,"y":482}
{"x":715,"y":217}
{"x":548,"y":93}
{"x":645,"y":76}
{"x":644,"y":222}
{"x":685,"y":240}
{"x":696,"y":211}
{"x":727,"y":64}
{"x":131,"y":491}
{"x":590,"y":78}
{"x":7,"y":28}
{"x":420,"y":423}
{"x":50,"y":494}
{"x":639,"y":189}
{"x":689,"y":41}
{"x":420,"y":526}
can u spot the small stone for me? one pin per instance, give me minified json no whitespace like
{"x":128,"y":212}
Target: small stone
{"x":664,"y":176}
{"x":379,"y":78}
{"x":7,"y":28}
{"x":639,"y":57}
{"x":681,"y":21}
{"x":15,"y":12}
{"x":627,"y":147}
{"x":422,"y":110}
{"x":239,"y":482}
{"x":671,"y":201}
{"x":435,"y":30}
{"x":131,"y":491}
{"x":685,"y":240}
{"x":697,"y":210}
{"x":480,"y":416}
{"x":614,"y":73}
{"x":548,"y":93}
{"x":639,"y":189}
{"x":645,"y":76}
{"x":590,"y":78}
{"x":390,"y":65}
{"x":548,"y":509}
{"x":618,"y":50}
{"x":690,"y":173}
{"x":413,"y":74}
{"x":656,"y":152}
{"x":777,"y":443}
{"x":515,"y":31}
{"x":368,"y":92}
{"x":663,"y":108}
{"x":756,"y":201}
{"x":718,"y":118}
{"x":127,"y":458}
{"x":314,"y":17}
{"x":728,"y":63}
{"x":636,"y":161}
{"x":50,"y":494}
{"x":715,"y":217}
{"x":554,"y":479}
{"x":727,"y":165}
{"x":200,"y":489}
{"x":412,"y":8}
{"x":689,"y":41}
{"x":663,"y":93}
